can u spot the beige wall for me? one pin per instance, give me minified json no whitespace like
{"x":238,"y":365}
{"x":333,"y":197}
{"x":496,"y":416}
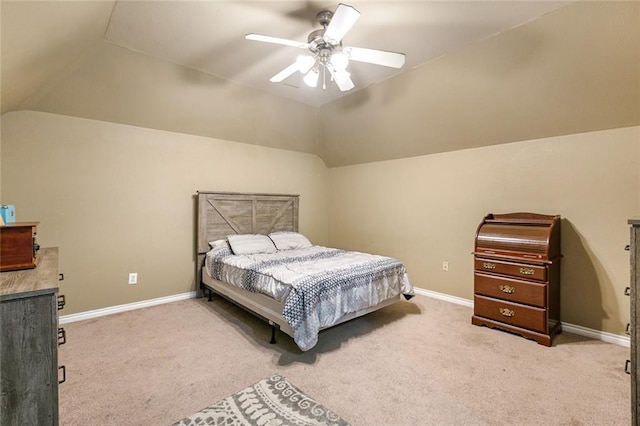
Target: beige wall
{"x":425,"y":210}
{"x":119,"y":199}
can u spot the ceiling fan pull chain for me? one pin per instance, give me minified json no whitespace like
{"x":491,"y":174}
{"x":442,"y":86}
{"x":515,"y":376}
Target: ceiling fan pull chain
{"x":324,"y":78}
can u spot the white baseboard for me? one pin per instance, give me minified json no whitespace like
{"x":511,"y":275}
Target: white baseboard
{"x":596,"y":334}
{"x":65,"y":319}
{"x":569,"y":328}
{"x":441,"y":296}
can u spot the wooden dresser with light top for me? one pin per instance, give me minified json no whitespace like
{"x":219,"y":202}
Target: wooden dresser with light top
{"x":634,"y":287}
{"x":30,"y":337}
{"x":517,"y":275}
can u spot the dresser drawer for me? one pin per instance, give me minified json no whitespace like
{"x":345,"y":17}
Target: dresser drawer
{"x":530,"y":293}
{"x":511,"y":313}
{"x":521,"y":270}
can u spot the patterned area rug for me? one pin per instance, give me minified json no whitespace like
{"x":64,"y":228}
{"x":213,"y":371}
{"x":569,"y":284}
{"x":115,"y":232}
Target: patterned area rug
{"x":270,"y":402}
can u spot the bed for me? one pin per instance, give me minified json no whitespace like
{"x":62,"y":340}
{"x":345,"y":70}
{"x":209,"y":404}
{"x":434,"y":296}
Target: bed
{"x":290,"y":300}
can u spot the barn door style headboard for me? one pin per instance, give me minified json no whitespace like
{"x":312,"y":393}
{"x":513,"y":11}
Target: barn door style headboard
{"x":225,"y":213}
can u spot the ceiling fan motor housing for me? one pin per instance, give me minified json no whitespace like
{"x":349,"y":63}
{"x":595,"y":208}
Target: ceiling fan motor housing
{"x":317,"y":44}
{"x":315,"y":40}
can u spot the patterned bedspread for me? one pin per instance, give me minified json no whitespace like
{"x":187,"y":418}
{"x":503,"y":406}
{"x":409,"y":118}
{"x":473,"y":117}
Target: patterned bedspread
{"x":317,"y":285}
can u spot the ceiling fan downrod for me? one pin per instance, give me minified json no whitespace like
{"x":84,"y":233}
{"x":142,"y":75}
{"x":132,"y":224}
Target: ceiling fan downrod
{"x":324,"y":18}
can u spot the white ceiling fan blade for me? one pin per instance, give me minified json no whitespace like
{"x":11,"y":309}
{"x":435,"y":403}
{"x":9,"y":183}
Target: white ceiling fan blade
{"x":345,"y":85}
{"x":378,"y":57}
{"x":343,"y":82}
{"x":341,"y":22}
{"x":277,"y":40}
{"x":284,"y":73}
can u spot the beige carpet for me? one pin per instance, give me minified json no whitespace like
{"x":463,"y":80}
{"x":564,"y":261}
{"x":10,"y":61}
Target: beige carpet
{"x":414,"y":363}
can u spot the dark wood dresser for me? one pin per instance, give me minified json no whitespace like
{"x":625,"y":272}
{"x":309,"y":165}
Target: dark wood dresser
{"x":517,"y":275}
{"x":18,"y":246}
{"x":30,"y":337}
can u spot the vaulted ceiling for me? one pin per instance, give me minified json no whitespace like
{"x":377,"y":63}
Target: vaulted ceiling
{"x":209,"y":36}
{"x":41,"y":38}
{"x":185,"y":66}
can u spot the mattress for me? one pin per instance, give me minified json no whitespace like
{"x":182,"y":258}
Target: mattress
{"x":317,"y":286}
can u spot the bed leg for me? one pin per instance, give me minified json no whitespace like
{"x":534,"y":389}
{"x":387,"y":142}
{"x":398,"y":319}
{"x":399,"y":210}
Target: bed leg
{"x":273,"y":333}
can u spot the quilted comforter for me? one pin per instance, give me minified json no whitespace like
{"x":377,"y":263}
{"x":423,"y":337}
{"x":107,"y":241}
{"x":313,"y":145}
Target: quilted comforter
{"x":317,"y":285}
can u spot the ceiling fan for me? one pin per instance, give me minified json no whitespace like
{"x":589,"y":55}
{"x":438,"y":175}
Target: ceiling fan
{"x":328,"y":53}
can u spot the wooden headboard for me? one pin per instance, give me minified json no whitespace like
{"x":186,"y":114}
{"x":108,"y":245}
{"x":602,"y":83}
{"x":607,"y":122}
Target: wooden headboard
{"x":225,"y":213}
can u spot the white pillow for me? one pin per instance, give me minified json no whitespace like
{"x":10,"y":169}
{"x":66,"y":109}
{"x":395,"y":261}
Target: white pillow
{"x":285,"y":240}
{"x":218,"y":244}
{"x":251,"y":244}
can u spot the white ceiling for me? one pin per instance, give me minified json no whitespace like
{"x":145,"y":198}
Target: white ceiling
{"x":209,"y":35}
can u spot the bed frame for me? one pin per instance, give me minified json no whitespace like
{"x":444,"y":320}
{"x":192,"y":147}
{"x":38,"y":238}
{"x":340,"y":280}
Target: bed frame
{"x":225,"y":213}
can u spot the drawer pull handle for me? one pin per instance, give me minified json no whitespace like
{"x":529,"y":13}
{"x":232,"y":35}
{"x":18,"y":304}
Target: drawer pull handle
{"x":627,"y":291}
{"x":527,"y":271}
{"x":488,"y":265}
{"x":507,"y":312}
{"x":61,"y":302}
{"x":62,"y":336}
{"x":507,"y":289}
{"x":64,"y":374}
{"x":628,"y":329}
{"x":627,"y":364}
{"x":627,"y":247}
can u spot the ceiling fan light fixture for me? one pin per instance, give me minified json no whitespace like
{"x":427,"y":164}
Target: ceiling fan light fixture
{"x":311,"y":79}
{"x":305,"y":63}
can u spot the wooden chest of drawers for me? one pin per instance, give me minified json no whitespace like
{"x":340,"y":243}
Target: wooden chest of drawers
{"x":517,"y":275}
{"x":18,"y":246}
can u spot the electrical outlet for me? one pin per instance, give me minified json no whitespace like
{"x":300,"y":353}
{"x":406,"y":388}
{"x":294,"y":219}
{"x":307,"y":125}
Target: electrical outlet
{"x":445,"y":266}
{"x":133,"y":278}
